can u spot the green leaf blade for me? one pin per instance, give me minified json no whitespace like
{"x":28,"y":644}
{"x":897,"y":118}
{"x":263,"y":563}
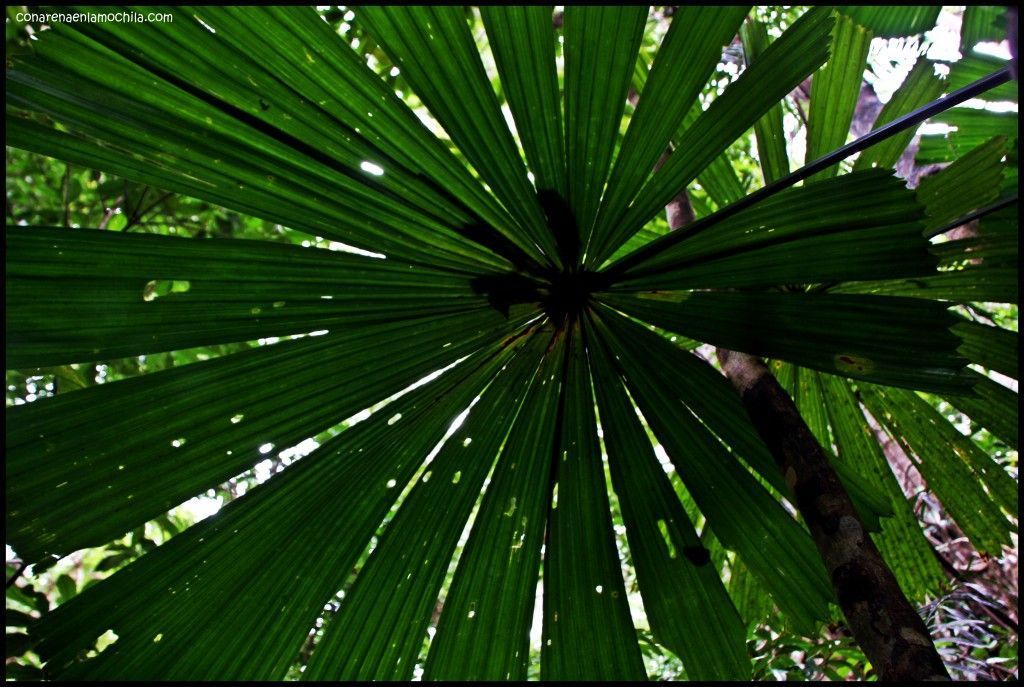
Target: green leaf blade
{"x":216,"y":420}
{"x":785,"y":63}
{"x":681,"y":67}
{"x":249,"y":582}
{"x":835,"y":91}
{"x":679,"y":595}
{"x":588,"y":632}
{"x":484,"y":629}
{"x":601,"y":45}
{"x":877,"y":339}
{"x":382,"y":621}
{"x":435,"y":51}
{"x":523,"y":42}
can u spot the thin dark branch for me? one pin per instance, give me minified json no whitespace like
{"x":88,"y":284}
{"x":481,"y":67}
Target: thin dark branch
{"x":64,"y":193}
{"x":139,"y":214}
{"x":977,"y":214}
{"x":800,"y":112}
{"x":133,"y":216}
{"x":17,"y":574}
{"x":170,"y":222}
{"x":109,"y":214}
{"x":979,"y":313}
{"x":894,"y":127}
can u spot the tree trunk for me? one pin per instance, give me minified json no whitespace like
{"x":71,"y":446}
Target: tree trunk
{"x":885,"y":624}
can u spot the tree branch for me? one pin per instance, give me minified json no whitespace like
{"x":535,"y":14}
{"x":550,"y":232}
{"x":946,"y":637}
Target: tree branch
{"x":887,"y":627}
{"x":64,"y":193}
{"x":17,"y":574}
{"x":109,"y":214}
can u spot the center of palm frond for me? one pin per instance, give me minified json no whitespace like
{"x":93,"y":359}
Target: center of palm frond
{"x":568,"y":293}
{"x":561,"y":295}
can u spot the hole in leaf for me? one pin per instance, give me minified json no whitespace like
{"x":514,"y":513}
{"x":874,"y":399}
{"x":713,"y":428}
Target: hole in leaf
{"x":371,"y":168}
{"x":663,"y":528}
{"x":104,"y":641}
{"x":158,"y":288}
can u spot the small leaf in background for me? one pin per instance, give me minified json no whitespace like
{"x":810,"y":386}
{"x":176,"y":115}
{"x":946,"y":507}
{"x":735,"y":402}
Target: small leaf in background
{"x":114,"y":561}
{"x":28,"y":597}
{"x":22,"y":672}
{"x":66,"y":588}
{"x":16,"y":644}
{"x":13,"y":618}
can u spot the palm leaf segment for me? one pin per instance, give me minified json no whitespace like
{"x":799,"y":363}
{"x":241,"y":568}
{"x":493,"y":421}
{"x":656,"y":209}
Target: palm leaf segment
{"x":496,"y":269}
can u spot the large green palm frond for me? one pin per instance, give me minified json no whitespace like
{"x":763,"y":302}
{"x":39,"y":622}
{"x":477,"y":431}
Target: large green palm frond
{"x":511,"y":367}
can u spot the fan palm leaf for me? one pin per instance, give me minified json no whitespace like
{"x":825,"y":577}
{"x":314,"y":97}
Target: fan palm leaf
{"x":511,"y":366}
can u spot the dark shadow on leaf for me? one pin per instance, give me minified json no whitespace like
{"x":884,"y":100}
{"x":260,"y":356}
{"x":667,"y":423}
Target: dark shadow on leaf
{"x":563,"y":225}
{"x":507,"y":289}
{"x":697,"y":555}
